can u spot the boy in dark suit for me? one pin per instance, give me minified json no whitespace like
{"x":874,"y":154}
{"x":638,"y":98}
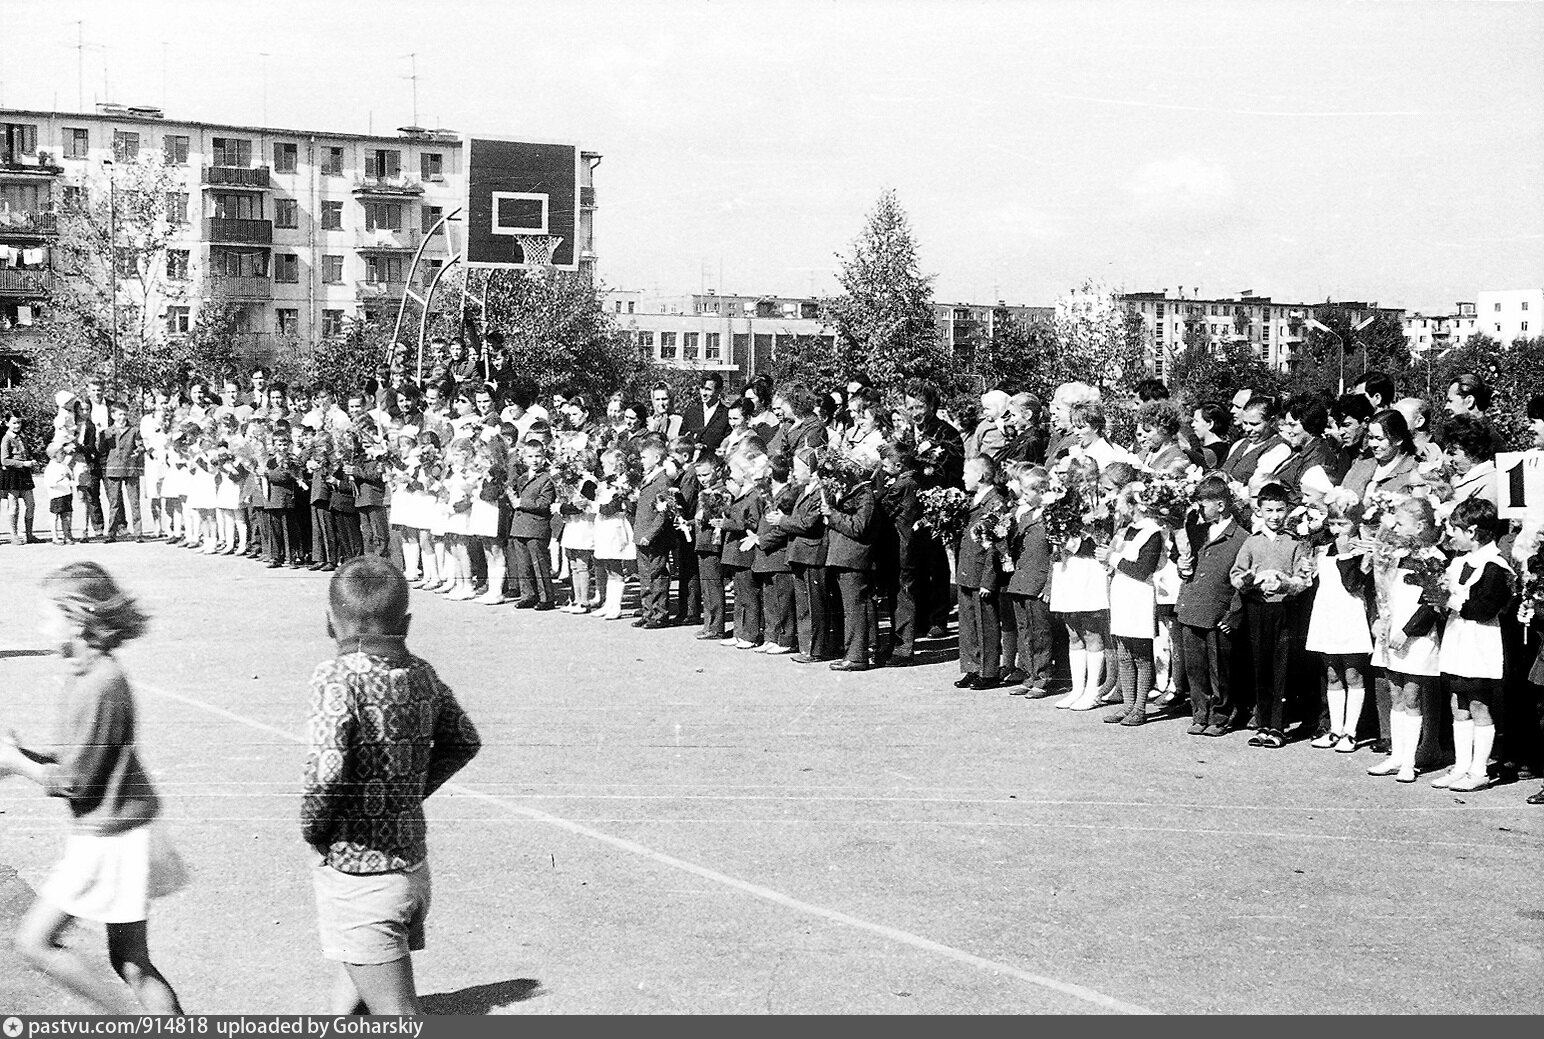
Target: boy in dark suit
{"x":683,"y":451}
{"x":370,"y":497}
{"x":771,"y":570}
{"x":898,"y":581}
{"x":1209,"y":610}
{"x":282,"y":536}
{"x":532,"y":494}
{"x":1028,"y":590}
{"x":807,"y":560}
{"x":653,"y":529}
{"x":123,"y":460}
{"x":849,"y":515}
{"x":979,"y":575}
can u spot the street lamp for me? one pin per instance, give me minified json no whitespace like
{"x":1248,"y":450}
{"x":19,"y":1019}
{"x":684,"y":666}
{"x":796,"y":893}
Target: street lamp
{"x":112,"y":253}
{"x":1321,"y":326}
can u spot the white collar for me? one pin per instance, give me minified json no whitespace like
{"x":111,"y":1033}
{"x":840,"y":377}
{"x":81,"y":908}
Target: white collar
{"x":981,"y":494}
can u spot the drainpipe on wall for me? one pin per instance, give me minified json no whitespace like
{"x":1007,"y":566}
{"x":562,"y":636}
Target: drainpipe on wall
{"x":312,"y":274}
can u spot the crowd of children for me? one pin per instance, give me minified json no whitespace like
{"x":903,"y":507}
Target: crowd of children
{"x":1326,"y":568}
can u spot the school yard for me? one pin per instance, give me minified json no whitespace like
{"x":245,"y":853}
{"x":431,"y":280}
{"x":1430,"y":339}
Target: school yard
{"x":659,"y":825}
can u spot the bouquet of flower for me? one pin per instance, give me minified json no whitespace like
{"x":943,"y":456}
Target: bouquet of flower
{"x":992,"y":529}
{"x":616,"y":495}
{"x":944,"y":510}
{"x":841,"y":471}
{"x":1166,"y":498}
{"x":421,"y":469}
{"x":1427,"y":570}
{"x":1074,"y":509}
{"x":1376,"y":503}
{"x":462,"y":482}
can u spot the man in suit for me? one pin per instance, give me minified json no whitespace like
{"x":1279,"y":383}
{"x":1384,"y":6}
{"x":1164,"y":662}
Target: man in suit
{"x":708,"y":421}
{"x":123,"y":460}
{"x":653,"y":535}
{"x":663,"y":421}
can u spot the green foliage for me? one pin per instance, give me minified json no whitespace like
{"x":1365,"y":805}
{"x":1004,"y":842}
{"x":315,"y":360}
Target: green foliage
{"x":884,"y":315}
{"x":1514,"y":373}
{"x":1021,"y":352}
{"x":1199,"y":374}
{"x":1097,"y":340}
{"x":557,"y":332}
{"x":1381,"y":346}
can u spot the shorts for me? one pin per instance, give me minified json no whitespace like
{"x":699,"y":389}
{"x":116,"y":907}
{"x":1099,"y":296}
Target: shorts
{"x":62,"y":505}
{"x":111,"y":878}
{"x":371,"y":918}
{"x":1467,"y":692}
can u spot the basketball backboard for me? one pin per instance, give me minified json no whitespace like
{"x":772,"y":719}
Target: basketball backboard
{"x":519,"y":196}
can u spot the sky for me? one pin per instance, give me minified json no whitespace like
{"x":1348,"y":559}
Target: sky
{"x":1303,"y":150}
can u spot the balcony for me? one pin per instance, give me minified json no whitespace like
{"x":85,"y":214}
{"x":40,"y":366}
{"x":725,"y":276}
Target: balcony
{"x":238,"y":288}
{"x":395,"y":186}
{"x":384,"y":240}
{"x":14,"y":283}
{"x":236,"y":177}
{"x":15,"y":224}
{"x":16,"y":166}
{"x":238,"y":232}
{"x":365,"y":291}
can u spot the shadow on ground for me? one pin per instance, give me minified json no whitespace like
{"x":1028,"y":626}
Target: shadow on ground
{"x":480,"y":999}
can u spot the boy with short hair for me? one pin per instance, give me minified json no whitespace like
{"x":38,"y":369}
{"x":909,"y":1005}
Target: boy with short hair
{"x":385,"y":734}
{"x":123,"y":460}
{"x":1208,"y":610}
{"x":1268,"y":573}
{"x":653,"y":534}
{"x":532,"y":494}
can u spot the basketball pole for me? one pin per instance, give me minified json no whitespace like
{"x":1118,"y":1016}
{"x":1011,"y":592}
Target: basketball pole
{"x":423,"y":320}
{"x":396,"y":329}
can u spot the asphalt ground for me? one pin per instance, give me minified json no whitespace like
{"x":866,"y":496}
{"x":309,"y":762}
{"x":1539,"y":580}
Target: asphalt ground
{"x":660,"y":825}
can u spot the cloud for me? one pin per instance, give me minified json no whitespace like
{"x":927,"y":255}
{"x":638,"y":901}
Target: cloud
{"x":1182,"y":183}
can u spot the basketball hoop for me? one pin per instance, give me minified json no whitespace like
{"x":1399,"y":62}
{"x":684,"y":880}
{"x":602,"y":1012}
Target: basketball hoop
{"x":537,"y":249}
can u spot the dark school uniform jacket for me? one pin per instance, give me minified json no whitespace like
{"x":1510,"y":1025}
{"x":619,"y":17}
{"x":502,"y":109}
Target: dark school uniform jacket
{"x":686,"y":486}
{"x":321,"y":487}
{"x":977,"y":565}
{"x":651,"y":527}
{"x":807,"y":432}
{"x":122,"y":453}
{"x":369,"y":484}
{"x":898,"y":509}
{"x":1030,"y":550}
{"x":806,"y":524}
{"x":849,"y":526}
{"x":1207,"y":597}
{"x":772,"y":541}
{"x":533,"y":495}
{"x":284,"y":483}
{"x":741,"y":518}
{"x":705,"y":541}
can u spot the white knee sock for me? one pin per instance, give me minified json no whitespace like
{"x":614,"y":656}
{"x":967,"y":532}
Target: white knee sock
{"x":1484,"y":739}
{"x":1336,"y":697}
{"x":1463,"y":746}
{"x":1095,"y":673}
{"x":1077,"y":663}
{"x":410,"y":559}
{"x":1355,"y":694}
{"x":1412,"y":726}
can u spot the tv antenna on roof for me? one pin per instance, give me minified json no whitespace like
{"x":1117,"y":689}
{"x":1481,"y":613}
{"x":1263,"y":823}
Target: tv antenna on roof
{"x":413,"y":57}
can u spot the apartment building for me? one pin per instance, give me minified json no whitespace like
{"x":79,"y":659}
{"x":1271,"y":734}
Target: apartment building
{"x":1440,"y":332}
{"x":301,"y":229}
{"x":1509,"y":314}
{"x":1274,"y":330}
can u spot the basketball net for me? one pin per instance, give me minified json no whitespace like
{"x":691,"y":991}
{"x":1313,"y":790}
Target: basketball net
{"x":537,"y":249}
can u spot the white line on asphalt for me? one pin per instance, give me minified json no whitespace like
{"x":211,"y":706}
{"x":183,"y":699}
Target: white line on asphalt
{"x":895,"y":934}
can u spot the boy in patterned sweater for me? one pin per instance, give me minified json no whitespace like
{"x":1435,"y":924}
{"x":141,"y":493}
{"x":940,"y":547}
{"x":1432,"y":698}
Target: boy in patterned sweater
{"x":385,"y":734}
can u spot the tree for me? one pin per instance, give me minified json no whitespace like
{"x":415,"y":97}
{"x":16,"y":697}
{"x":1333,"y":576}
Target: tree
{"x":114,"y":237}
{"x":1200,"y":374}
{"x":1379,"y":346}
{"x":1098,"y":340}
{"x":1514,"y":373}
{"x":558,"y":333}
{"x":884,"y":315}
{"x":1021,"y":352}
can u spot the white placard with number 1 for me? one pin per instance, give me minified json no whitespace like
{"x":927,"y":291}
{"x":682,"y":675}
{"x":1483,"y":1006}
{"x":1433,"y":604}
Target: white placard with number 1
{"x":1520,"y":484}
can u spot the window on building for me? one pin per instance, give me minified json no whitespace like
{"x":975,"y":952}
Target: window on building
{"x":1214,"y":310}
{"x":128,"y":262}
{"x":77,"y":142}
{"x":238,"y":263}
{"x":125,"y":145}
{"x":432,"y":165}
{"x":236,"y":205}
{"x":383,"y":268}
{"x":1525,"y":326}
{"x":383,"y":216}
{"x":619,"y":306}
{"x":689,"y":346}
{"x":174,"y":149}
{"x":332,"y":322}
{"x":286,"y":268}
{"x":231,"y":151}
{"x":332,"y":162}
{"x":1498,"y":328}
{"x":646,"y":344}
{"x":630,"y":305}
{"x":332,"y":269}
{"x":74,"y":196}
{"x":1160,"y":310}
{"x":711,"y":349}
{"x":383,"y":162}
{"x":429,"y":216}
{"x":286,"y":157}
{"x":289,"y":321}
{"x":20,"y":139}
{"x":177,"y":264}
{"x":176,"y":207}
{"x":1525,"y":304}
{"x":332,"y":216}
{"x":667,"y":346}
{"x":179,"y":320}
{"x":431,"y":270}
{"x":1498,"y":308}
{"x":286,"y":213}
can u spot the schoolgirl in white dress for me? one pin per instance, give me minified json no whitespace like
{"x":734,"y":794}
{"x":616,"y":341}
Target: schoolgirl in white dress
{"x":1338,"y":627}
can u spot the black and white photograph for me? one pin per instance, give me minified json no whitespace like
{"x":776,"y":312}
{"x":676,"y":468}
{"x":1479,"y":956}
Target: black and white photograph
{"x":802,"y":508}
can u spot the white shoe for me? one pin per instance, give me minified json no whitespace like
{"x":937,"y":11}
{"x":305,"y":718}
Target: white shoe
{"x":1387,"y":767}
{"x":492,"y":600}
{"x":1329,"y":739}
{"x":1444,"y":781}
{"x":461,"y":594}
{"x":774,"y":650}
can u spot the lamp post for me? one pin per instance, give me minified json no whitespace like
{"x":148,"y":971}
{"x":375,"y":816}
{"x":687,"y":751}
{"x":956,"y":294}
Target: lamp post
{"x":112,"y":253}
{"x":1341,"y":343}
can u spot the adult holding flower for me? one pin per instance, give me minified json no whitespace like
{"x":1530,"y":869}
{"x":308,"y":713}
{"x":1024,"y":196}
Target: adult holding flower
{"x":940,"y":460}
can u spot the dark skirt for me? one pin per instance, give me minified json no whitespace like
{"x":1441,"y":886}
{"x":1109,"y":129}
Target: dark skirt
{"x":12,"y":479}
